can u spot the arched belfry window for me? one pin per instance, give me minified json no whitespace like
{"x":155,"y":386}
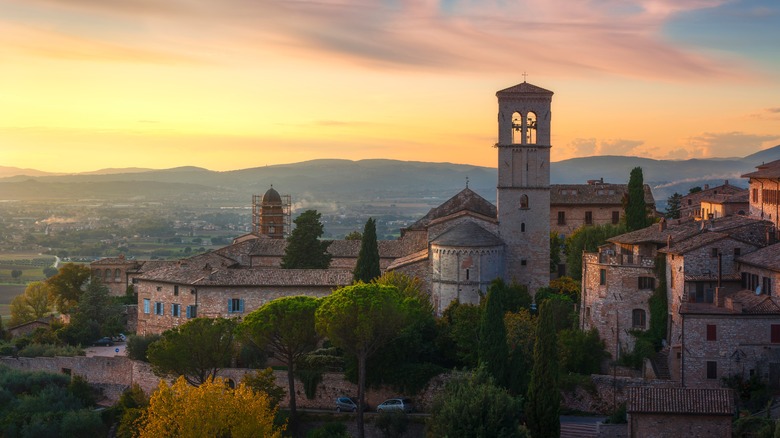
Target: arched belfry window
{"x":524,"y":201}
{"x":530,"y":129}
{"x":517,"y":128}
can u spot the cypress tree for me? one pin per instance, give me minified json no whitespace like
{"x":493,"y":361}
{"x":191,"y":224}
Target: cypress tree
{"x":304,"y":248}
{"x":493,"y":350}
{"x":636,"y":210}
{"x":544,"y":400}
{"x":367,"y":267}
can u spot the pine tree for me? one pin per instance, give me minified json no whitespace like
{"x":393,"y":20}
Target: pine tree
{"x":367,"y":267}
{"x":673,"y":206}
{"x":304,"y":248}
{"x":544,"y":399}
{"x":493,"y":350}
{"x":636,"y":209}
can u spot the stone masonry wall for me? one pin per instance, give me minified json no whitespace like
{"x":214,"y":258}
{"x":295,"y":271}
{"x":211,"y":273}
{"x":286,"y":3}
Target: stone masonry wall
{"x":658,"y":425}
{"x":575,"y":216}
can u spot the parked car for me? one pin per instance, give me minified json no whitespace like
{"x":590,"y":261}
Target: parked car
{"x":348,"y":404}
{"x":396,"y":404}
{"x":103,"y":342}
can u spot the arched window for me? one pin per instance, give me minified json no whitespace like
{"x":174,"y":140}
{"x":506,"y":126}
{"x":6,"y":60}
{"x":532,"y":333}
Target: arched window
{"x":530,"y":129}
{"x":117,"y":275}
{"x":517,"y":128}
{"x":638,"y":318}
{"x":524,"y":201}
{"x":107,"y":275}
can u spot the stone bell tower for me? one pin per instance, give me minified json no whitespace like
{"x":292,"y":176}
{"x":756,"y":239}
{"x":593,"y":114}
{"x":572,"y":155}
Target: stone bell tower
{"x":523,"y":197}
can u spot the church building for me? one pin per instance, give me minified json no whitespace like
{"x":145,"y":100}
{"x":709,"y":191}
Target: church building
{"x":457,"y":249}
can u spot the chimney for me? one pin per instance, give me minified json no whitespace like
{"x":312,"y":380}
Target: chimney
{"x":662,"y":224}
{"x":706,"y":186}
{"x":719,"y":298}
{"x":669,"y":241}
{"x":726,"y":182}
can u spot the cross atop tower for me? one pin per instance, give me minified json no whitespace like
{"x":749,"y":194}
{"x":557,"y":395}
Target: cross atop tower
{"x":524,"y":76}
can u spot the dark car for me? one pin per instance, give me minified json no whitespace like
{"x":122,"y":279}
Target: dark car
{"x":103,"y":342}
{"x":396,"y":404}
{"x":348,"y":404}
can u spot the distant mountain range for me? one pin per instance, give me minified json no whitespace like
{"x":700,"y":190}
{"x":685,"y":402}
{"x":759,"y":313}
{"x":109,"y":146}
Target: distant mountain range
{"x":361,"y":181}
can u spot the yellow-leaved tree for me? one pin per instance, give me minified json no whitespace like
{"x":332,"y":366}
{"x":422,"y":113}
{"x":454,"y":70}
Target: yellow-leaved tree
{"x":209,"y":410}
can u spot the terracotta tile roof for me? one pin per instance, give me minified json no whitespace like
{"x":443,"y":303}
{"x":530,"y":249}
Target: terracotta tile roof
{"x":654,"y":233}
{"x":351,"y":248}
{"x":466,"y":199}
{"x":468,"y":234}
{"x":747,"y":303}
{"x":268,"y":247}
{"x":408,"y":260}
{"x":742,"y":228}
{"x":114,"y":261}
{"x":768,"y":170}
{"x":593,"y":194}
{"x":649,"y":400}
{"x":693,"y":242}
{"x":741,"y":197}
{"x":276,"y":277}
{"x":768,"y":257}
{"x":524,"y":88}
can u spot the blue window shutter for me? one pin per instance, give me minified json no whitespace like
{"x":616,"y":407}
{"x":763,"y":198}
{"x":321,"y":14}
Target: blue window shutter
{"x":188,"y":312}
{"x":230,"y":307}
{"x":241,"y":306}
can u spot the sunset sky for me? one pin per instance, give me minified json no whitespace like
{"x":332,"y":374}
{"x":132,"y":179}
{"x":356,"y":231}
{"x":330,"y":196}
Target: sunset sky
{"x":231,"y":84}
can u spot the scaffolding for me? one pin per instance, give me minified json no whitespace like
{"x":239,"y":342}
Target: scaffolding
{"x":272,"y":219}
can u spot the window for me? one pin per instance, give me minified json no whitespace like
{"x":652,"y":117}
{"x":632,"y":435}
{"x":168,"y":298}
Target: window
{"x":524,"y":201}
{"x":712,"y":332}
{"x":714,"y":252}
{"x":766,"y":285}
{"x":602,"y":276}
{"x":117,"y":275}
{"x":737,"y":252}
{"x":615,"y":217}
{"x":638,"y":318}
{"x":561,"y":218}
{"x":587,"y":313}
{"x":175,"y":310}
{"x":755,"y":195}
{"x":646,"y":283}
{"x":775,"y":334}
{"x":159,"y":288}
{"x":703,"y":294}
{"x":522,"y":227}
{"x":147,"y":305}
{"x":588,"y":218}
{"x":523,"y":262}
{"x":235,"y":305}
{"x":176,"y":290}
{"x":712,"y":369}
{"x":192,"y":311}
{"x":467,"y":274}
{"x":159,"y":309}
{"x":750,"y":281}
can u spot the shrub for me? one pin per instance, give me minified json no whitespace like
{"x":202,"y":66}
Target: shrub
{"x":49,"y":350}
{"x":393,"y":424}
{"x":138,"y":345}
{"x":329,"y":430}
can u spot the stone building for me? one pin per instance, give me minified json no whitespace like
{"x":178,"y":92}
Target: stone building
{"x":595,"y":203}
{"x":716,"y":206}
{"x":457,"y":249}
{"x":765,"y":192}
{"x":690,"y":204}
{"x":675,"y":412}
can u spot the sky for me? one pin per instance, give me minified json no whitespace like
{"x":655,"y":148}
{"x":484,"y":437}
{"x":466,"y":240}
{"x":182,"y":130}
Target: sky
{"x":234,"y":84}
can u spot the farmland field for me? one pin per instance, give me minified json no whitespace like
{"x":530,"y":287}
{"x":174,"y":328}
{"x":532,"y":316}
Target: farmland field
{"x":30,"y":264}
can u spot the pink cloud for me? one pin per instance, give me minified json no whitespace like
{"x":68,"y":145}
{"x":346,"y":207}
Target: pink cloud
{"x":563,"y":38}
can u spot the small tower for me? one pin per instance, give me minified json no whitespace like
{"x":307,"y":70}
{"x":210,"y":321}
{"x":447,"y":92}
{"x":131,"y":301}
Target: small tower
{"x":271,"y":214}
{"x":523,"y":191}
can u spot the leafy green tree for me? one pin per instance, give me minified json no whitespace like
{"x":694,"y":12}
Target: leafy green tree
{"x":587,"y":239}
{"x":635,"y":207}
{"x":695,"y":189}
{"x":50,"y":271}
{"x":581,"y":352}
{"x":68,"y":285}
{"x":673,"y":206}
{"x":285,"y":326}
{"x":360,"y":319}
{"x":16,"y":273}
{"x":97,"y":314}
{"x":265,"y":382}
{"x":304,"y":249}
{"x":367,"y":266}
{"x":196,"y":350}
{"x":354,"y":235}
{"x":544,"y":399}
{"x":460,"y":324}
{"x":520,"y":336}
{"x":493,"y":351}
{"x":138,"y":345}
{"x":556,"y":248}
{"x":472,"y":406}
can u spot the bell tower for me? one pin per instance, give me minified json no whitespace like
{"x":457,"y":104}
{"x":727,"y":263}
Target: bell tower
{"x":523,"y":191}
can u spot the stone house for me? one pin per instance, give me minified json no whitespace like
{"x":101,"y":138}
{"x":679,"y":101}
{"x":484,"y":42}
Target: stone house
{"x":674,"y":412}
{"x":725,"y":205}
{"x":765,"y":192}
{"x":690,"y":204}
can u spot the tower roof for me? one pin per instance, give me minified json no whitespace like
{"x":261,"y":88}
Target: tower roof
{"x":467,"y":234}
{"x":466,"y":199}
{"x":523,"y":88}
{"x":272,"y":197}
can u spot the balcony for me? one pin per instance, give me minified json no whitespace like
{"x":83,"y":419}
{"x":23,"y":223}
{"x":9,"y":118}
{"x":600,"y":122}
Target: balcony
{"x":609,"y":258}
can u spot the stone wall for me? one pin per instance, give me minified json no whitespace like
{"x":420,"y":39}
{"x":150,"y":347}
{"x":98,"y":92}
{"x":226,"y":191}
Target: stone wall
{"x":606,"y":393}
{"x":575,"y":216}
{"x":659,"y":425}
